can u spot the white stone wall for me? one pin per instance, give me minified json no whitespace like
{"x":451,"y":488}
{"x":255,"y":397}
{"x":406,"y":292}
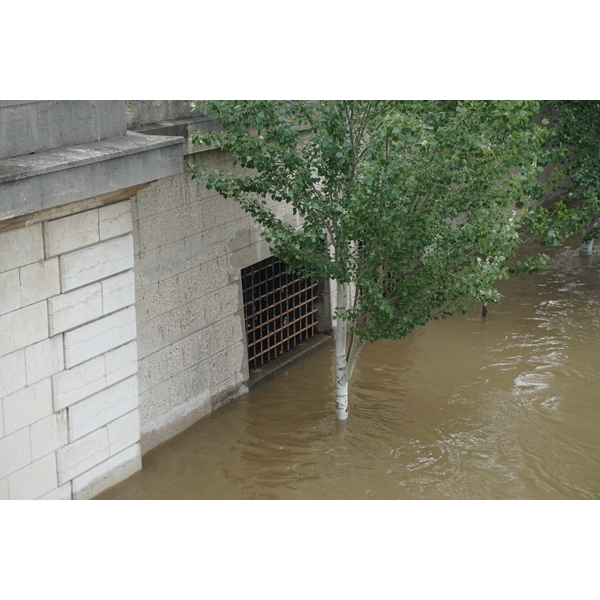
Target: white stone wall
{"x":69,"y":416}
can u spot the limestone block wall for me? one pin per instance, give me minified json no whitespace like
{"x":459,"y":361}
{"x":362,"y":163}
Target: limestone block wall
{"x":191,"y":245}
{"x":69,"y":401}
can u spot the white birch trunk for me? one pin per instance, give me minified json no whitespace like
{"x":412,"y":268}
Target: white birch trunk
{"x":586,"y":248}
{"x":341,"y":383}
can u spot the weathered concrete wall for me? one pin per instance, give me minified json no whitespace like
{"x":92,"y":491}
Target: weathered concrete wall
{"x":28,"y":126}
{"x":191,"y":245}
{"x":69,"y":417}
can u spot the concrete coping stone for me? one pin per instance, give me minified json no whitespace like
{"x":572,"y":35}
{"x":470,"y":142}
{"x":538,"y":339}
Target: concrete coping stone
{"x":7,"y":103}
{"x":203,"y":122}
{"x":182,"y":127}
{"x":31,"y":165}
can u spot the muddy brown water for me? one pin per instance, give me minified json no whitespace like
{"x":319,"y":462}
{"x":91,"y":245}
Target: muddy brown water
{"x":506,"y":407}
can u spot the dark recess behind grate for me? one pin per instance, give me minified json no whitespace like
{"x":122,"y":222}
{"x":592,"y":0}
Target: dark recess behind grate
{"x":279,"y":309}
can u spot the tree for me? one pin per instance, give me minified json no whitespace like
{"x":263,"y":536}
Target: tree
{"x":409,"y":206}
{"x":574,"y":148}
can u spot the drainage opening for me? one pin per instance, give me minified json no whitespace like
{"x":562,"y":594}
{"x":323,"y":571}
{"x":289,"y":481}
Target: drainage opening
{"x":279,"y":310}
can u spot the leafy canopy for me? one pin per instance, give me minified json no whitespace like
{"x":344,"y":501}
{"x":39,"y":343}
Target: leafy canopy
{"x":574,"y":150}
{"x":412,"y":201}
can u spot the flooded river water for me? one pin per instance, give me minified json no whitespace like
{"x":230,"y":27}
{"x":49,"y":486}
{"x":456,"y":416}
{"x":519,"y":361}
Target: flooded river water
{"x":506,"y":407}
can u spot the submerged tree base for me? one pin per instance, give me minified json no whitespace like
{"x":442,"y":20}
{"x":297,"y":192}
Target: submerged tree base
{"x":341,"y":402}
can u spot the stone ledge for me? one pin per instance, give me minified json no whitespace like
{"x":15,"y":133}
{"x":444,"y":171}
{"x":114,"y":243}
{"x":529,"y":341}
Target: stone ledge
{"x":181,"y":127}
{"x":35,"y":182}
{"x":30,"y":165}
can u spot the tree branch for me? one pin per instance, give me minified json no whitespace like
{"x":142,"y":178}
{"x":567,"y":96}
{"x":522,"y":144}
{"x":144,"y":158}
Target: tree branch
{"x":352,"y":361}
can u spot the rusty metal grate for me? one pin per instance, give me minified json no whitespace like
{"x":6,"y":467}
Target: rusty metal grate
{"x":279,"y":310}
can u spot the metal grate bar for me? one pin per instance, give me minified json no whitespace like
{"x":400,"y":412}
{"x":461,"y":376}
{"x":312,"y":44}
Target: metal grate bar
{"x":278,"y":309}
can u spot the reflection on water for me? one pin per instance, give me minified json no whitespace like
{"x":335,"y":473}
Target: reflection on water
{"x":467,"y":408}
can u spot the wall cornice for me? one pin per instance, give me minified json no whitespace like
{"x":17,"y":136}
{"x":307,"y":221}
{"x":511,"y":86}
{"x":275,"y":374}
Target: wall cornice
{"x":35,"y":182}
